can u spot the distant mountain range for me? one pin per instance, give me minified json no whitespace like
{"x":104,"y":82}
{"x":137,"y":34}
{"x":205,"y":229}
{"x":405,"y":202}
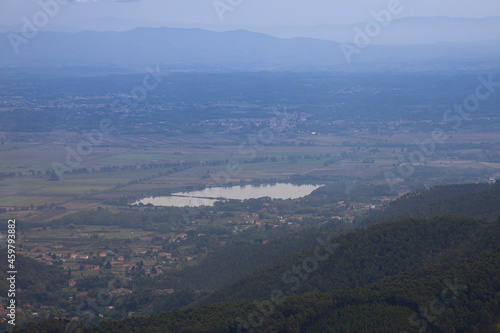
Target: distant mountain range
{"x":410,"y":30}
{"x":405,"y":31}
{"x":194,"y":49}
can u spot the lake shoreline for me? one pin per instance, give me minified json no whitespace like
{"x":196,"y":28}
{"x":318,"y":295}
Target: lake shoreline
{"x":208,"y":196}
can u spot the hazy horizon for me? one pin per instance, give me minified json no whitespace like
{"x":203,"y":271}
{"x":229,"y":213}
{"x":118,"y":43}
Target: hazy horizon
{"x":223,"y":13}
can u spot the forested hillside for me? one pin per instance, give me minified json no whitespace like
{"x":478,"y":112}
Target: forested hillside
{"x":223,"y":267}
{"x":235,"y":260}
{"x":432,"y":273}
{"x":459,"y":296}
{"x":36,"y":279}
{"x":37,"y":285}
{"x":366,"y":256}
{"x":474,"y":200}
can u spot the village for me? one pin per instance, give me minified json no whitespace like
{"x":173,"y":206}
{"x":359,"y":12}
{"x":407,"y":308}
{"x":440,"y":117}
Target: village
{"x":134,"y":252}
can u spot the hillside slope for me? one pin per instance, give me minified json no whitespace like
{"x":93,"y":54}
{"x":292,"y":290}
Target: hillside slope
{"x":459,"y":296}
{"x":473,"y":200}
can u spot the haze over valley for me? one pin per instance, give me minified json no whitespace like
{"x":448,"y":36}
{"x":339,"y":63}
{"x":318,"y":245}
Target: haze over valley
{"x":227,"y":166}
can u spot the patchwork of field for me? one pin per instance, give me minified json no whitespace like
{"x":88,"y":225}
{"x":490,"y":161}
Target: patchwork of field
{"x":136,"y":166}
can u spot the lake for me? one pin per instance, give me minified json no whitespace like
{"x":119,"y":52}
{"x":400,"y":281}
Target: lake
{"x":209,"y":196}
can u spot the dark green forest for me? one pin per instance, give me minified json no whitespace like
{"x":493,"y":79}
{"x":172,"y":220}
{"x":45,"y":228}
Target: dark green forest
{"x":437,"y":274}
{"x":474,"y":200}
{"x":460,"y":295}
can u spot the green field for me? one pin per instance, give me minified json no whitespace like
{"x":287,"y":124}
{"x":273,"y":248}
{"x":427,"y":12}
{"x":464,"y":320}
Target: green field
{"x":312,"y":156}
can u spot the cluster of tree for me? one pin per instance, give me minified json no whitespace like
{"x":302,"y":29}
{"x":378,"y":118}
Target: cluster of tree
{"x":461,"y":295}
{"x":233,"y":261}
{"x":39,"y":283}
{"x":352,"y":191}
{"x":365,"y":256}
{"x":145,"y":219}
{"x":422,"y":176}
{"x":473,"y":200}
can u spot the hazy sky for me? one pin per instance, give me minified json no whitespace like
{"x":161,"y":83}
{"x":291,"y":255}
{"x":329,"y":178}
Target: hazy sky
{"x":244,"y":12}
